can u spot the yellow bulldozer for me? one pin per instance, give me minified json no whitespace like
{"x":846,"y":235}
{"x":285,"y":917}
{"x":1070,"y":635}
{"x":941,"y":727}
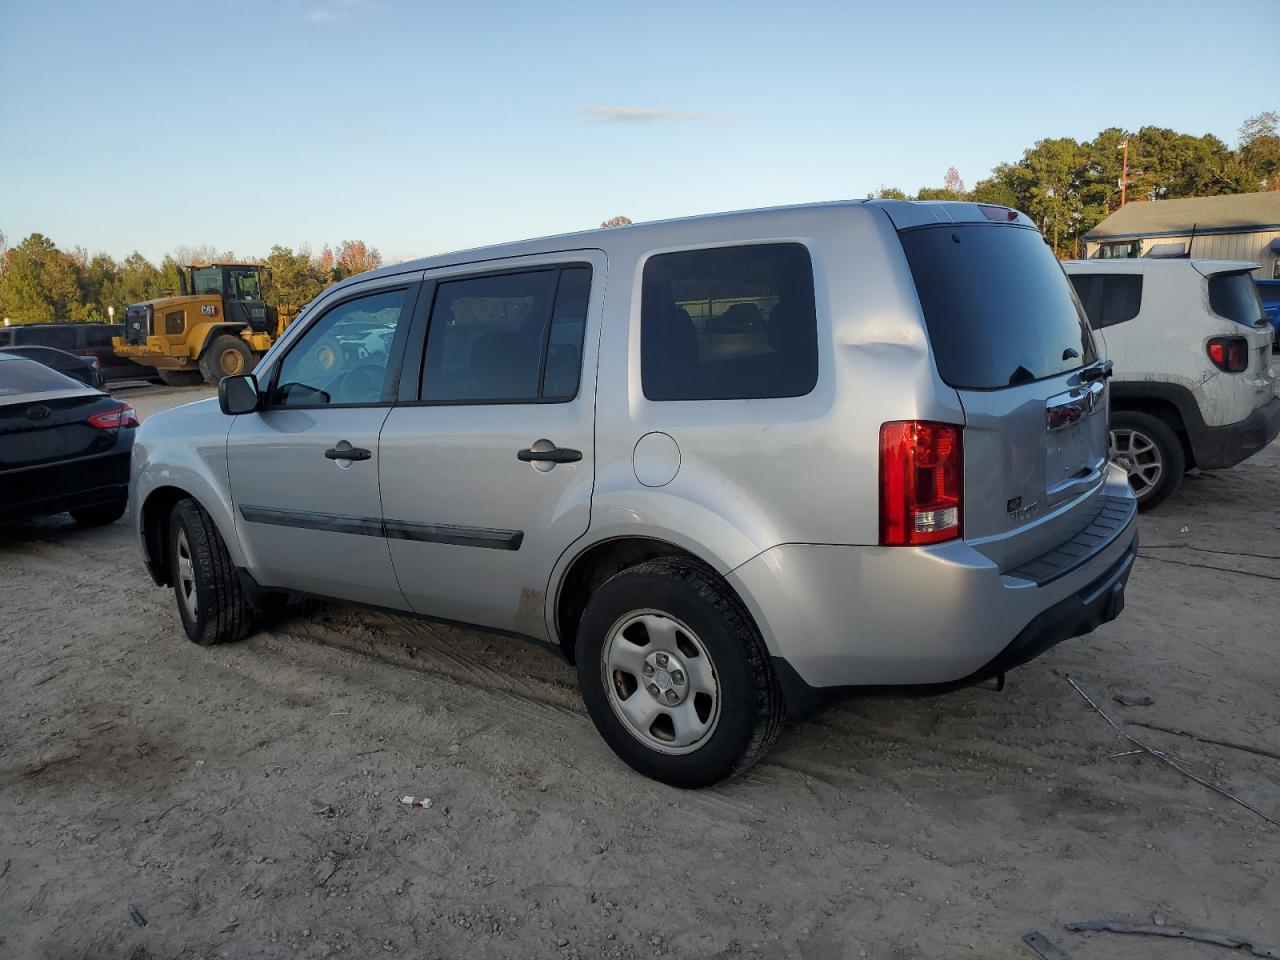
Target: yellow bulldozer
{"x":218,"y":326}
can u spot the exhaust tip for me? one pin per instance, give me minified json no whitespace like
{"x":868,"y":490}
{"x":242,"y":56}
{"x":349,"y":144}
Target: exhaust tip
{"x":995,"y":683}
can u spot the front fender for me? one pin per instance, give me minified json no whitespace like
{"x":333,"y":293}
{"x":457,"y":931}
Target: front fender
{"x":183,"y":452}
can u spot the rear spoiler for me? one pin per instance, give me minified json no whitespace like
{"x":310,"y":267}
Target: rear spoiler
{"x":906,"y":214}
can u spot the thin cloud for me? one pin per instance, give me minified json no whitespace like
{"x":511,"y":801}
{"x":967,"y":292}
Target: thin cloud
{"x":339,"y":11}
{"x":648,"y":115}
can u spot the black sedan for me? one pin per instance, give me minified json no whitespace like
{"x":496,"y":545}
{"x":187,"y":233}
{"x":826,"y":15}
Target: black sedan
{"x":85,"y":369}
{"x":64,"y":446}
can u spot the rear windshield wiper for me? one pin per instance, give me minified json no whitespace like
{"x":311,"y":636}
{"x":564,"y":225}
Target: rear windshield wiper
{"x":1098,"y":371}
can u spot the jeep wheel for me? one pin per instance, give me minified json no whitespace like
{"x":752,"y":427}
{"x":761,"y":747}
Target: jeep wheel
{"x":180,"y":378}
{"x":226,"y":356}
{"x":211,"y":599}
{"x":1150,"y":453}
{"x":675,"y":675}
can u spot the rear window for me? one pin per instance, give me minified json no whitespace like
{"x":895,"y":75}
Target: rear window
{"x":19,"y":375}
{"x":1235,"y":296}
{"x":729,"y":323}
{"x":997,"y":305}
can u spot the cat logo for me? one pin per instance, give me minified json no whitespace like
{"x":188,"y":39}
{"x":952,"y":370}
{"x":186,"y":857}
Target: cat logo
{"x":208,"y":309}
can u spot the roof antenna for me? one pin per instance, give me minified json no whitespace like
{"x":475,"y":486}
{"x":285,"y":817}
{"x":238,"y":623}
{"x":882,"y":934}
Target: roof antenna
{"x":1192,"y":240}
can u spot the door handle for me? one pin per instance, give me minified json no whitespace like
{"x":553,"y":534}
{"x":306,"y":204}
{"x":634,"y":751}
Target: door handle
{"x":554,"y":455}
{"x":345,"y":451}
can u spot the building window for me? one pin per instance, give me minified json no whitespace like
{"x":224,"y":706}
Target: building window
{"x":1118,"y":251}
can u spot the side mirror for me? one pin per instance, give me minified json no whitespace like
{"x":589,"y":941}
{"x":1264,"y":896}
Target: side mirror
{"x":238,"y":395}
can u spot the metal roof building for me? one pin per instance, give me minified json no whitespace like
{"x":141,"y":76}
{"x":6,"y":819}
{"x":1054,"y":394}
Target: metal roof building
{"x":1242,"y":226}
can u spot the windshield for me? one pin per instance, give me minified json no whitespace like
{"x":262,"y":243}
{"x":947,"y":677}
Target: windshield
{"x":997,"y":305}
{"x":1234,"y":296}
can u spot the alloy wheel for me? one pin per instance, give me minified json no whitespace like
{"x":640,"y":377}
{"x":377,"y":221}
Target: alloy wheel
{"x":187,"y":577}
{"x":1139,"y":456}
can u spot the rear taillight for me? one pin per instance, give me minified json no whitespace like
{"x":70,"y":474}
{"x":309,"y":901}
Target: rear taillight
{"x":1229,"y":354}
{"x":921,"y":482}
{"x":121,"y":416}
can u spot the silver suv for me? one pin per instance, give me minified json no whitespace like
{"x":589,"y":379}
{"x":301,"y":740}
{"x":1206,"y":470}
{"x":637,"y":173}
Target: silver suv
{"x":733,"y":467}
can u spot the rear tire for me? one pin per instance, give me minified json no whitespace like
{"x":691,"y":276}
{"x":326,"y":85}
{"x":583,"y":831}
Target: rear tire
{"x":100,"y":514}
{"x":1148,"y":450}
{"x":211,"y":600}
{"x":672,"y":625}
{"x":181,"y":378}
{"x":226,"y":356}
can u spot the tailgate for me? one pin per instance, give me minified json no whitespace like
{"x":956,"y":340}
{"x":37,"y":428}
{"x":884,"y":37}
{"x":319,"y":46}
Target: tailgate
{"x":1008,"y":333}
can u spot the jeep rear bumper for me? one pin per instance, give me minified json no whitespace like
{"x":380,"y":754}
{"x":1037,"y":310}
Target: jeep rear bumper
{"x":1217,"y":448}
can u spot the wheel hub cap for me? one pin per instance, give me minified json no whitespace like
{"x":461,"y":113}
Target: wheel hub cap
{"x":661,"y":682}
{"x":666,"y":678}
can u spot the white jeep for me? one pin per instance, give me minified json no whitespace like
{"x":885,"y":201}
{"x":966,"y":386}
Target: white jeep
{"x":1194,"y":384}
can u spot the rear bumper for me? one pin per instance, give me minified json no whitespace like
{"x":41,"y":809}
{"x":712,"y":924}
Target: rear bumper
{"x":1217,"y":448}
{"x":841,"y":620}
{"x":65,"y":485}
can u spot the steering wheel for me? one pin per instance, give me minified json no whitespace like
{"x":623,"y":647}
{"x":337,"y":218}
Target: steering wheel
{"x":361,"y":384}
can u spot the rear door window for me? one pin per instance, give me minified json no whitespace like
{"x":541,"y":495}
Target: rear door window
{"x":507,"y":338}
{"x":999,"y":310}
{"x":1234,"y":296}
{"x":729,"y":323}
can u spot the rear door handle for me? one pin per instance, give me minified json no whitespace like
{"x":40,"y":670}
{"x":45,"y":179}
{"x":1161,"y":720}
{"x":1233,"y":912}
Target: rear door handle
{"x":345,"y":451}
{"x":554,"y":455}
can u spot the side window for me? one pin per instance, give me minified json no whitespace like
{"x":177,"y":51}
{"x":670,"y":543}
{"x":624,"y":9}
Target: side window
{"x":342,"y":358}
{"x":1121,"y":298}
{"x":730,"y":323}
{"x":98,"y":336}
{"x":1086,"y":286}
{"x":507,"y":338}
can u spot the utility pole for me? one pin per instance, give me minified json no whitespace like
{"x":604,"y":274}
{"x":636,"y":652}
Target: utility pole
{"x":1124,"y":174}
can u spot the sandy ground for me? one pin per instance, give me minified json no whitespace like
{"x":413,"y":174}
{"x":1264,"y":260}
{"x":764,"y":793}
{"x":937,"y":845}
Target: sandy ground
{"x":244,"y":798}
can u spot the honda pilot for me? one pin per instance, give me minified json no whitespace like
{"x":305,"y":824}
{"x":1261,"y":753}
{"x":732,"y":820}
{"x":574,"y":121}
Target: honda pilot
{"x":732,"y":467}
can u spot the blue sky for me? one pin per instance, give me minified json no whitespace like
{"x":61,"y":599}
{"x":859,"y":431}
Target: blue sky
{"x":423,"y":127}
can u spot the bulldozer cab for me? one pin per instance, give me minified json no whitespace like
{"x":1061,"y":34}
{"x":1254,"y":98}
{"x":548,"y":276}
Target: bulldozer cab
{"x":240,"y":285}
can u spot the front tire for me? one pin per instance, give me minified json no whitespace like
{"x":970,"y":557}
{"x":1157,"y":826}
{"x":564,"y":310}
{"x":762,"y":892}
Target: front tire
{"x":1148,"y":450}
{"x":100,"y":514}
{"x":211,"y":599}
{"x":675,"y":674}
{"x":226,"y":356}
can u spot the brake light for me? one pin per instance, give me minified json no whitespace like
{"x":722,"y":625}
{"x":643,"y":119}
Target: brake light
{"x":921,"y":482}
{"x":998,"y":214}
{"x":1229,"y":354}
{"x":121,"y":416}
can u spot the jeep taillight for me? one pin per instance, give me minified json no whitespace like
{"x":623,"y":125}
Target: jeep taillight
{"x":921,"y":482}
{"x":1229,"y":354}
{"x":121,"y":416}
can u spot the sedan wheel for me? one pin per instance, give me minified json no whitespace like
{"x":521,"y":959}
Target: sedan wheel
{"x":187,"y":578}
